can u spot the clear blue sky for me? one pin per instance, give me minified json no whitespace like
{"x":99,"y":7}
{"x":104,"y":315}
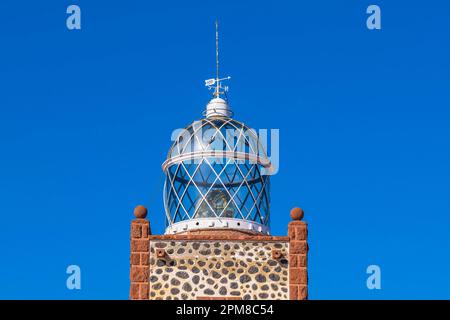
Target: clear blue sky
{"x":86,"y":118}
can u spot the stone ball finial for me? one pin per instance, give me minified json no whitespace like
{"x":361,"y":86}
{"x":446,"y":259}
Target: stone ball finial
{"x":140,"y":212}
{"x":297,"y":214}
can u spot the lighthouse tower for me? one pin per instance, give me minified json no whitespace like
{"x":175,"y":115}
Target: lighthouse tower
{"x":217,"y":242}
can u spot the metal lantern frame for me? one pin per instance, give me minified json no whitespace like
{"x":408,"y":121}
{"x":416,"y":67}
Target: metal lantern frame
{"x":217,"y":153}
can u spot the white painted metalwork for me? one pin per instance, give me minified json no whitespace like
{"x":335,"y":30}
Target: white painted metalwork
{"x":207,"y":223}
{"x":214,"y":172}
{"x":218,"y":107}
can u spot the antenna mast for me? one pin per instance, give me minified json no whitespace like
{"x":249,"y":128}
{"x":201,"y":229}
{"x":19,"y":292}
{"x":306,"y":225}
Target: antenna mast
{"x":216,"y":94}
{"x":215,"y":83}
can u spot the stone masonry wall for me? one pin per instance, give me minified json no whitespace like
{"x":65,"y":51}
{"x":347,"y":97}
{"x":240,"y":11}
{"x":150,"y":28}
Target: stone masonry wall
{"x":139,"y":259}
{"x":201,"y":269}
{"x":221,"y":264}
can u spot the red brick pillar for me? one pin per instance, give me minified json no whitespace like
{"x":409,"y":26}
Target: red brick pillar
{"x":298,"y":259}
{"x":139,"y":258}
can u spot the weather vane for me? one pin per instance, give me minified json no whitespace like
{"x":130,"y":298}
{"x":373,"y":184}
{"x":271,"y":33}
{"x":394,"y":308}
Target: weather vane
{"x":215,"y":83}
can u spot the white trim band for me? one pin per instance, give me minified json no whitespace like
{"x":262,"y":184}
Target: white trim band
{"x":218,"y":154}
{"x":217,"y":223}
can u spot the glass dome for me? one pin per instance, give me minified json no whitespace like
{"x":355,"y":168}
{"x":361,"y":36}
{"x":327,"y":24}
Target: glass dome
{"x":217,"y":176}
